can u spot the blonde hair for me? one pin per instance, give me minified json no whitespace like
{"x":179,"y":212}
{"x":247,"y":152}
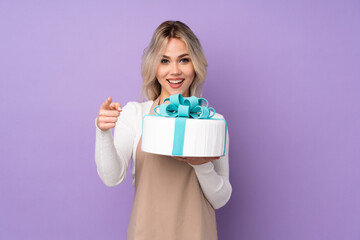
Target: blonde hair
{"x":151,"y":88}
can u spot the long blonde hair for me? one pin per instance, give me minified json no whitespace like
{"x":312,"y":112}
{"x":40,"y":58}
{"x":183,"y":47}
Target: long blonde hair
{"x":151,"y":88}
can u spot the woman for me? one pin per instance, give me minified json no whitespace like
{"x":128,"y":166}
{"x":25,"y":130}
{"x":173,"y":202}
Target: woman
{"x":175,"y":197}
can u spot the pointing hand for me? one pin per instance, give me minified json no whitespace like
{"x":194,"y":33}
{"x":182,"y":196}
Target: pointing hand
{"x":108,"y":114}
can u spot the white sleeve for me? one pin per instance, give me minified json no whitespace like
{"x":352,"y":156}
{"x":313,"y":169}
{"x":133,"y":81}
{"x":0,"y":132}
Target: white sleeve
{"x":113,"y":154}
{"x":214,"y":179}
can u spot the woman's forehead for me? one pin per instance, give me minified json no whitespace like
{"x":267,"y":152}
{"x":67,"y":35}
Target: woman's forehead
{"x":175,"y":47}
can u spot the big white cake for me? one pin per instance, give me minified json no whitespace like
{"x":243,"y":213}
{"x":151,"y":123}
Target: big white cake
{"x":200,"y":137}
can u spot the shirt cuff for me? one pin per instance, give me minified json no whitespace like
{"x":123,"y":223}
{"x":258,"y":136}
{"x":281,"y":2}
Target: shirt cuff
{"x":101,"y":132}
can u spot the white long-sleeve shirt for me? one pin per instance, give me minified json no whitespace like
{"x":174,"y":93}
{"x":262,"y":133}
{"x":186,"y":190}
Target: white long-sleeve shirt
{"x":113,"y":154}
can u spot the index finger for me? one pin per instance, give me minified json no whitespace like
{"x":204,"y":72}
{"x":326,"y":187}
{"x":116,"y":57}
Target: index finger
{"x":106,"y":104}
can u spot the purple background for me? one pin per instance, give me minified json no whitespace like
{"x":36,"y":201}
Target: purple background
{"x":285,"y":74}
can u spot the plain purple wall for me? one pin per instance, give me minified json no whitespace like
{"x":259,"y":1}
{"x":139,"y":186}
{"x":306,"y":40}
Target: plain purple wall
{"x":285,"y":74}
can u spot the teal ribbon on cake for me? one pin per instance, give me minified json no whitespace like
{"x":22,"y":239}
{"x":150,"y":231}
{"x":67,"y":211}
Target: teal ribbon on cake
{"x":182,"y":108}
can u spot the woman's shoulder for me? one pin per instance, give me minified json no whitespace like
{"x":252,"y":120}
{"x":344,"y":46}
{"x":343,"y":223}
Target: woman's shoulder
{"x":132,"y":113}
{"x":137,"y":108}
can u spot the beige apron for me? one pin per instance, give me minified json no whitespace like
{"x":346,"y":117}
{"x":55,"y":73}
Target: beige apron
{"x":168,"y":202}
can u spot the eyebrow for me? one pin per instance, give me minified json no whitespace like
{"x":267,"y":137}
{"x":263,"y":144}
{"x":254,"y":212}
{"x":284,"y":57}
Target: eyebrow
{"x":182,"y":55}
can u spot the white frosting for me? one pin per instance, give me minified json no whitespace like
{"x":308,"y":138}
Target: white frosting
{"x":202,"y":138}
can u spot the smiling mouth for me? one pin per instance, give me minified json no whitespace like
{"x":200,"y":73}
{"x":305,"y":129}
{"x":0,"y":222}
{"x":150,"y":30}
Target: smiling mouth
{"x":175,"y":81}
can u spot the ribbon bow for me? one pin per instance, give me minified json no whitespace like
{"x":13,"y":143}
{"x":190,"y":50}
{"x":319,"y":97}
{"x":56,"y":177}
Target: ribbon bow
{"x":188,"y":107}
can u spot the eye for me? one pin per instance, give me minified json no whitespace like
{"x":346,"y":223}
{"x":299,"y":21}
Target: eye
{"x":164,"y":60}
{"x":185,"y":60}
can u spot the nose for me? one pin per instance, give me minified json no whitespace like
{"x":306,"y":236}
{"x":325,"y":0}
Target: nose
{"x":175,"y":70}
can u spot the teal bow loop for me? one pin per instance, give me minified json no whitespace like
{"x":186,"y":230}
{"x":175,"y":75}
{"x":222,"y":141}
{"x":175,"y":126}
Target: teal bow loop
{"x":181,"y":108}
{"x":188,"y":107}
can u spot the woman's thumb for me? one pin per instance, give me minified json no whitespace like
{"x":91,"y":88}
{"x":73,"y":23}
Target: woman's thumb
{"x":115,"y":106}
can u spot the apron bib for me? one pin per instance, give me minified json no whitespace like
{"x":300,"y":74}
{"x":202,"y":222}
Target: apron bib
{"x":168,"y":202}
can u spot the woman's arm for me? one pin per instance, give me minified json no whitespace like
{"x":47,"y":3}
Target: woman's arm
{"x":214,"y":179}
{"x":113,"y":154}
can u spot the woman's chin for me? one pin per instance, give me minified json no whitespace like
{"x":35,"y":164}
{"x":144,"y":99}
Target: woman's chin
{"x":175,"y":91}
{"x":182,"y":91}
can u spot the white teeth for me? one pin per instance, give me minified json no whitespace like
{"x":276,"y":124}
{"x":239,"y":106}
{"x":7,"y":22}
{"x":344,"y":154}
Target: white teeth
{"x":175,"y":81}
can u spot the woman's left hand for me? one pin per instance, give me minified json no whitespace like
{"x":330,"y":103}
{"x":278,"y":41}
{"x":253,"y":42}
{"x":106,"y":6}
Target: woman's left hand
{"x":196,"y":160}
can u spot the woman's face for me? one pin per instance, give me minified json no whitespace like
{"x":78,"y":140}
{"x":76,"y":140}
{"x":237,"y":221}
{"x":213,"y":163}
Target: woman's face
{"x":175,"y":71}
